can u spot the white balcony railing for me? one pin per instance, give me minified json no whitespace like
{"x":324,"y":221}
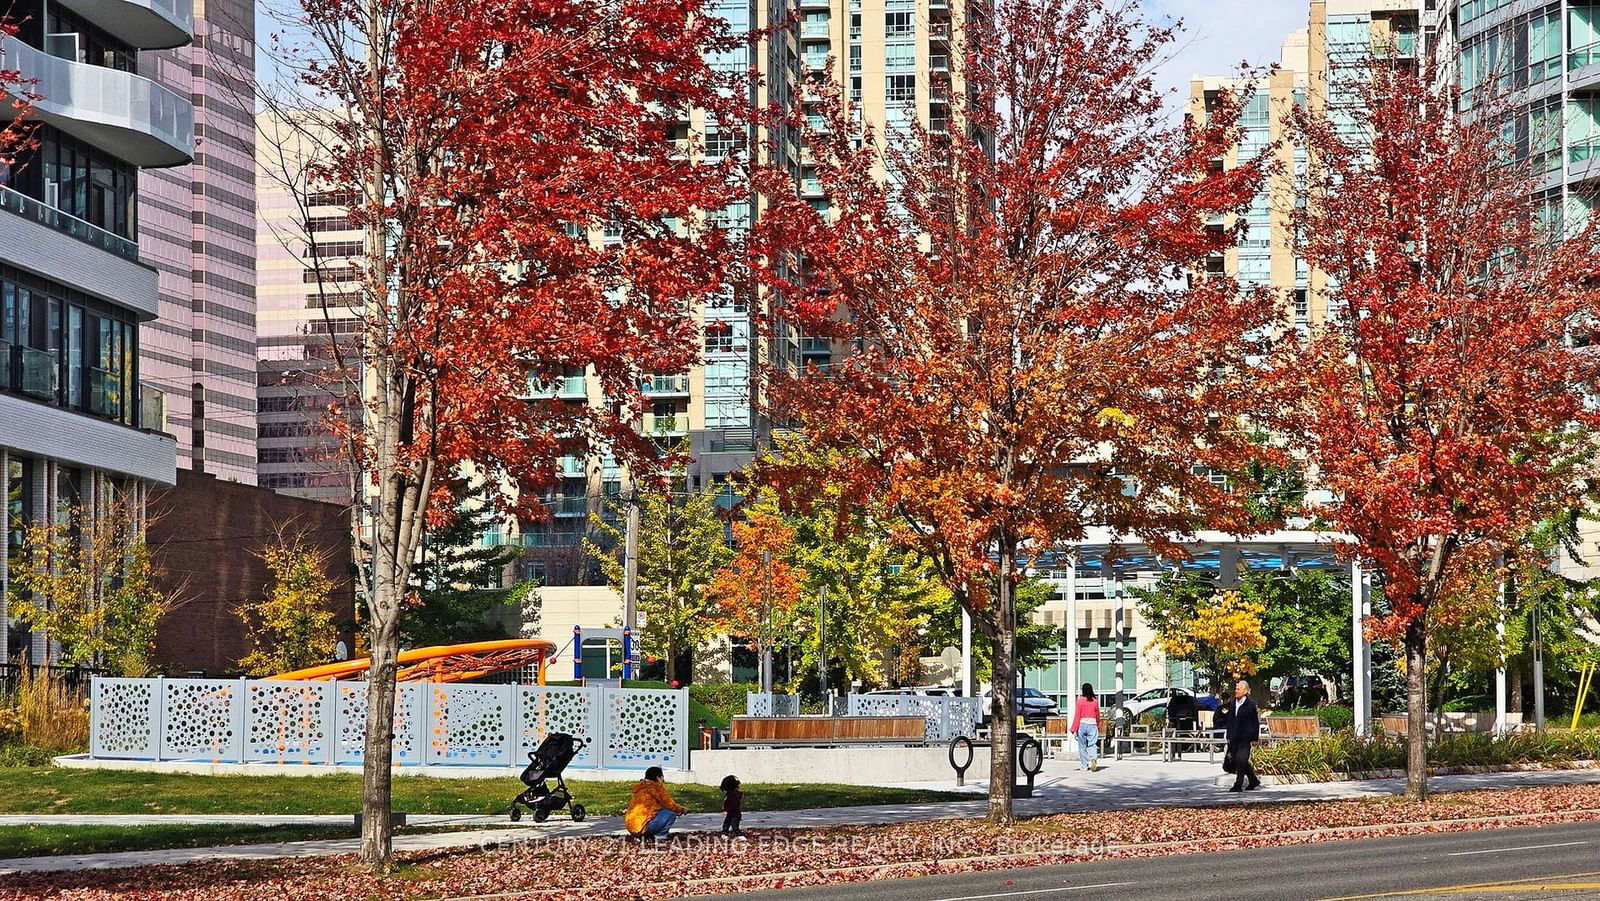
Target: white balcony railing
{"x":127,"y":114}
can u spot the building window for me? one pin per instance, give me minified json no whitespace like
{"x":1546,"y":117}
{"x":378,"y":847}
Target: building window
{"x":333,"y":198}
{"x":900,"y":88}
{"x":64,"y":347}
{"x":81,"y":180}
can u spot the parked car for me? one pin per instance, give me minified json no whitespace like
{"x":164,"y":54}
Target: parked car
{"x":1155,"y":700}
{"x":1030,"y":702}
{"x":932,"y":691}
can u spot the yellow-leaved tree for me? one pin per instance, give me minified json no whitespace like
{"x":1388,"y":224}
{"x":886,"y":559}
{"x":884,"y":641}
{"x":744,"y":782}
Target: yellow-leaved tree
{"x":292,"y":628}
{"x":88,"y":583}
{"x":1221,"y":639}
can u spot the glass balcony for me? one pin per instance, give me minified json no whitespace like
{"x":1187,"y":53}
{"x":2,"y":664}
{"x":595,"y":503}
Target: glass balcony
{"x":152,"y":408}
{"x":568,"y":387}
{"x":566,"y":505}
{"x":7,"y":350}
{"x":656,"y":426}
{"x":105,"y":393}
{"x":814,"y":29}
{"x":1401,"y":44}
{"x":1584,"y":55}
{"x":36,"y":372}
{"x":46,"y":215}
{"x":1583,"y":152}
{"x":666,"y":384}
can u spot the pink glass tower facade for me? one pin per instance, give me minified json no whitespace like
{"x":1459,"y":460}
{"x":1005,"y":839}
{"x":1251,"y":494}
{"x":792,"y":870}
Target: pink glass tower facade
{"x":198,"y":228}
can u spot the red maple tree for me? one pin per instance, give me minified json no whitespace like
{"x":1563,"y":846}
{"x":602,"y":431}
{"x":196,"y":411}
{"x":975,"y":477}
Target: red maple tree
{"x":1025,"y":360}
{"x":532,"y":206}
{"x":1438,"y":401}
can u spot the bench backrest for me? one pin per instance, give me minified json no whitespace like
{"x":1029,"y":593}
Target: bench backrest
{"x":826,"y":728}
{"x":1293,"y":725}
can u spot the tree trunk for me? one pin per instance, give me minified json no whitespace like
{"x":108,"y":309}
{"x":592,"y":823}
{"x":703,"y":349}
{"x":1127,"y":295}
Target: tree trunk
{"x":1002,"y":707}
{"x":378,"y":750}
{"x":1416,"y":710}
{"x":672,"y":662}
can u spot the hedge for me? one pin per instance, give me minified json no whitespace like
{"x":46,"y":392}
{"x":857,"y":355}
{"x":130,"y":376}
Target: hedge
{"x":1345,"y":752}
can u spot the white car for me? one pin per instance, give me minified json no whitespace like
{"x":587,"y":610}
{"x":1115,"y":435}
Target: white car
{"x":1154,"y":699}
{"x":932,"y":691}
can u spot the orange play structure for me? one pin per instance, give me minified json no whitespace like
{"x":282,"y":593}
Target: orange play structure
{"x":444,"y":663}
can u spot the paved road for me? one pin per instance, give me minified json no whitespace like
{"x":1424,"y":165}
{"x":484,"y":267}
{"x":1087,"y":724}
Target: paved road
{"x":1558,"y":861}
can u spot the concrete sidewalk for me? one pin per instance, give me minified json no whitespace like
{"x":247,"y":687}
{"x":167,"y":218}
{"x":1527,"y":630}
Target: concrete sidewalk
{"x":1120,"y":785}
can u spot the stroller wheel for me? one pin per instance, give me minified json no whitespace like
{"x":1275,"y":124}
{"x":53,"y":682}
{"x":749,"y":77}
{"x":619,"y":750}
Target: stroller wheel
{"x":578,"y":813}
{"x":516,"y":814}
{"x":540,"y":814}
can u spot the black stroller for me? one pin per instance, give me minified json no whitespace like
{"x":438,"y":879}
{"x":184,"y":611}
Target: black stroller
{"x":553,"y":755}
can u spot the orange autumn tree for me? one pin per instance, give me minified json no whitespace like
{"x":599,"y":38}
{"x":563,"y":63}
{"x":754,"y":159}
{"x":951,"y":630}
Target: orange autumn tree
{"x":758,"y":592}
{"x":1026,"y":358}
{"x":530,"y":206}
{"x":1444,"y":400}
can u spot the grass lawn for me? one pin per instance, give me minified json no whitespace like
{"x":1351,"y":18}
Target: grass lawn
{"x":60,"y":790}
{"x":40,"y":841}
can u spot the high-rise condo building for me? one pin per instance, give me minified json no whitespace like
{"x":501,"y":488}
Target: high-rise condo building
{"x":81,"y":427}
{"x":197,"y":227}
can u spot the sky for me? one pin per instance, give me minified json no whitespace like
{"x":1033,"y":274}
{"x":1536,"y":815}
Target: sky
{"x":1218,"y":35}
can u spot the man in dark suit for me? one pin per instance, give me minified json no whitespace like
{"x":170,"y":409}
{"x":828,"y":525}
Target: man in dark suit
{"x":1244,"y":728}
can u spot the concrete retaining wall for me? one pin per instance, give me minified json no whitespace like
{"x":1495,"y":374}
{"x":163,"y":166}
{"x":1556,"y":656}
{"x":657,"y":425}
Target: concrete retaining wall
{"x":846,"y":766}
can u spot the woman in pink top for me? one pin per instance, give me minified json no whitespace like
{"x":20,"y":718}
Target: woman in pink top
{"x":1086,"y":724}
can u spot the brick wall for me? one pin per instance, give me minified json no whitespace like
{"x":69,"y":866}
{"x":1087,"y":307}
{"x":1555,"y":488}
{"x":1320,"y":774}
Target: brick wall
{"x":205,"y":536}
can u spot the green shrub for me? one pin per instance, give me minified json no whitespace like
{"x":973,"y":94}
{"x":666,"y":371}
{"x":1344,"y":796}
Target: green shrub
{"x":1331,"y":716}
{"x":1345,"y":752}
{"x":24,"y":756}
{"x":1469,"y":704}
{"x":719,"y":701}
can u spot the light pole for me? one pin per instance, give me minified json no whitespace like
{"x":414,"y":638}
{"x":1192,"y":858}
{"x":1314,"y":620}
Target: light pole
{"x":822,"y":640}
{"x":766,"y":622}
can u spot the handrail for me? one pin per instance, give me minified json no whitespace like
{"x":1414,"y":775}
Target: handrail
{"x":65,"y":222}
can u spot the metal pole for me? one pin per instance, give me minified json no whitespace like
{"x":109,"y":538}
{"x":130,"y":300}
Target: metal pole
{"x":1538,"y":673}
{"x":766,"y":622}
{"x":968,"y":690}
{"x":630,"y":582}
{"x":822,"y":640}
{"x":1119,"y":634}
{"x":1360,"y":687}
{"x":1072,"y":625}
{"x":1500,"y":702}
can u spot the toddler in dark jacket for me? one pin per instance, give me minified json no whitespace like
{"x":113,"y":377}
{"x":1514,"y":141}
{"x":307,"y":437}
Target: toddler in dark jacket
{"x":732,"y":805}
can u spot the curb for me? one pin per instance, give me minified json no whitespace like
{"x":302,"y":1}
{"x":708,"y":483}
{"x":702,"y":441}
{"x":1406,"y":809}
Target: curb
{"x":1225,"y":780}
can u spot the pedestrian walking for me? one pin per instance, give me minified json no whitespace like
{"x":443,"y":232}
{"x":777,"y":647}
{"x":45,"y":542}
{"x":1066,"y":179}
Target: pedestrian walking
{"x":1086,"y":725}
{"x":1244,"y":729}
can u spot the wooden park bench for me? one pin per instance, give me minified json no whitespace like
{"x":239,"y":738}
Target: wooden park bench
{"x":825,"y":731}
{"x":1293,"y":728}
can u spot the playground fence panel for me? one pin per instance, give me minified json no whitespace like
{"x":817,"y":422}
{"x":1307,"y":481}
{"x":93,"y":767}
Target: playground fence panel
{"x":260,"y":721}
{"x":946,"y":718}
{"x":757,"y":703}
